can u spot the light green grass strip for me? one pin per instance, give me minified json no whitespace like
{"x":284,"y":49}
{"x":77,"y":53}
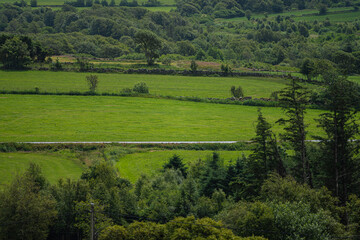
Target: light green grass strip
{"x":215,"y":87}
{"x":54,"y":166}
{"x":93,"y":118}
{"x":132,"y":166}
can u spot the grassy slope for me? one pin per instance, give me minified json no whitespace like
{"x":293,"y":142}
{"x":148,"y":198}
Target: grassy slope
{"x":54,"y":165}
{"x":67,"y":118}
{"x":158,"y":84}
{"x":132,"y":166}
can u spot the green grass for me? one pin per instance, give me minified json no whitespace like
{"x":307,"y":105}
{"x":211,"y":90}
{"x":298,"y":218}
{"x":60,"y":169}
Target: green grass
{"x":334,"y":14}
{"x":94,"y":118}
{"x":333,"y":17}
{"x":355,"y":78}
{"x":132,"y":166}
{"x":54,"y":165}
{"x":217,"y":87}
{"x":160,"y":9}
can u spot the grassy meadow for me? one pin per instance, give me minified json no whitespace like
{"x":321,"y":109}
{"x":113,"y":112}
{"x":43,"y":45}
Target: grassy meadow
{"x":218,"y":87}
{"x":132,"y":166}
{"x":342,"y":14}
{"x":54,"y":165}
{"x":95,"y":118}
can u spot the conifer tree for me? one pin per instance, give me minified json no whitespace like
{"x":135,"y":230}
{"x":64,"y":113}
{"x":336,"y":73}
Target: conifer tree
{"x":340,"y":124}
{"x":293,"y":100}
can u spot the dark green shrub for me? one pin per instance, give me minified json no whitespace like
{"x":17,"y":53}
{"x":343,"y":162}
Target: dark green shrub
{"x":141,"y":88}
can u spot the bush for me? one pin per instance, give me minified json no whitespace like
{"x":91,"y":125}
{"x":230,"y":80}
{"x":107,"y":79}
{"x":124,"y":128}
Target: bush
{"x":93,"y":82}
{"x":193,"y":66}
{"x":141,"y":88}
{"x":237,"y":92}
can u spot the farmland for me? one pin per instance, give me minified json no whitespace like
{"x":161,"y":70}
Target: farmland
{"x":132,"y":166}
{"x":159,"y":85}
{"x":54,"y":165}
{"x":65,"y":118}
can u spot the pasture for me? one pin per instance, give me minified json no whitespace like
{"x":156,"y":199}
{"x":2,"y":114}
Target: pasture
{"x":214,"y":87}
{"x":54,"y":165}
{"x":342,"y":14}
{"x":95,"y":118}
{"x":132,"y":166}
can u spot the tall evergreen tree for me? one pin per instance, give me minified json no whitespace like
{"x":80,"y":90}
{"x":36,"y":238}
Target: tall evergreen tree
{"x":293,"y":100}
{"x":342,"y":99}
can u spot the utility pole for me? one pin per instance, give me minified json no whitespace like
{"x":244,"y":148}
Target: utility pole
{"x":92,"y":222}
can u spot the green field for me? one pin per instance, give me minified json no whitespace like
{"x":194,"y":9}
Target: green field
{"x":94,"y":118}
{"x":158,"y":84}
{"x":54,"y":165}
{"x":132,"y":166}
{"x":334,"y":14}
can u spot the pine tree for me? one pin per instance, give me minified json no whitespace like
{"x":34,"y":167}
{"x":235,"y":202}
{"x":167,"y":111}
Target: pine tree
{"x":342,"y":98}
{"x":293,"y":100}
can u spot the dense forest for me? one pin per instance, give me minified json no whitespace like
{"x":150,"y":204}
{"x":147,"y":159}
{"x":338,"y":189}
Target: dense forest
{"x":110,"y":32}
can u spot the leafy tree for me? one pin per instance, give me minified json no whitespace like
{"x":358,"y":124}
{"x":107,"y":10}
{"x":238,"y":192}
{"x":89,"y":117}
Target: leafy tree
{"x":226,"y":69}
{"x":93,"y":82}
{"x":193,"y":66}
{"x":67,"y":193}
{"x":307,"y":68}
{"x":250,"y":219}
{"x":83,"y":217}
{"x":150,"y":44}
{"x":339,"y":163}
{"x":114,"y":233}
{"x":14,"y":53}
{"x":112,"y":3}
{"x":200,"y":55}
{"x":248,"y":14}
{"x":322,"y":9}
{"x":26,"y":210}
{"x":33,"y":3}
{"x":176,"y":163}
{"x":141,"y":88}
{"x":237,"y":92}
{"x":293,"y":100}
{"x":296,"y":221}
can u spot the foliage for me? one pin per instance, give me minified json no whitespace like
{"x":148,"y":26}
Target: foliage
{"x":14,"y":53}
{"x":141,"y":88}
{"x":150,"y":44}
{"x":26,"y":209}
{"x":339,"y":161}
{"x":293,"y":100}
{"x":250,"y":219}
{"x":193,"y":66}
{"x":175,"y":162}
{"x":93,"y":82}
{"x":237,"y":92}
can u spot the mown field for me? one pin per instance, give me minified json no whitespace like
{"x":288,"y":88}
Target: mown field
{"x":94,"y":118}
{"x":132,"y":166}
{"x":158,"y":84}
{"x":54,"y":165}
{"x":342,"y":14}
